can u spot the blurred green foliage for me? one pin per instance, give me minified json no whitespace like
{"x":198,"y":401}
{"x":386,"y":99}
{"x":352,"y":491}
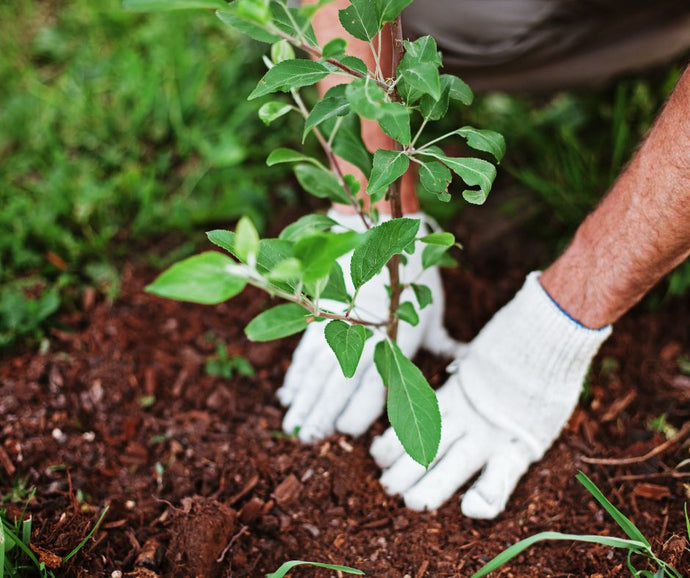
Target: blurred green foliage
{"x":115,"y":128}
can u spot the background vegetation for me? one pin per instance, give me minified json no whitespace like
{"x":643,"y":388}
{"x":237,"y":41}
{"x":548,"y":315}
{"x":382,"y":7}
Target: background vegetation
{"x":113,"y":133}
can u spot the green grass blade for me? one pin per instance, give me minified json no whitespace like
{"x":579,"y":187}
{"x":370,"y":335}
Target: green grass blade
{"x":285,"y":568}
{"x":2,"y":550}
{"x":515,"y":549}
{"x":26,"y":532}
{"x":9,"y":534}
{"x":88,"y":536}
{"x":687,"y":520}
{"x":626,"y":525}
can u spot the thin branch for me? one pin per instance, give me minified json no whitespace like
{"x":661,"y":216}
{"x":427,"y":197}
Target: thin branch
{"x":419,"y":133}
{"x":684,"y":432}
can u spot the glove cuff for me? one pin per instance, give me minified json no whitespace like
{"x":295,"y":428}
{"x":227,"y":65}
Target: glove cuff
{"x":526,"y":367}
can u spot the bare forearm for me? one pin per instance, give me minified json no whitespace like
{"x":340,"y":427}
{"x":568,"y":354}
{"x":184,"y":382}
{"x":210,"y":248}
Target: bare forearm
{"x":639,"y":232}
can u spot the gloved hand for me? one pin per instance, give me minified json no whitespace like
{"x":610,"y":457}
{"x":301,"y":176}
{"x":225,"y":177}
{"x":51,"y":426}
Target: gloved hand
{"x":320,"y":398}
{"x":513,"y":391}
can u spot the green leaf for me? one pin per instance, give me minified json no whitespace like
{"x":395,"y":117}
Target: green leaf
{"x":458,"y":90}
{"x":443,"y":239}
{"x":334,"y":48}
{"x":293,"y":22}
{"x":366,"y":97}
{"x":328,"y":107}
{"x":394,"y":120}
{"x":230,"y":17}
{"x":356,"y":64}
{"x":202,"y":279}
{"x":435,"y":178}
{"x":388,"y":10}
{"x":388,"y":167}
{"x":347,"y":342}
{"x":360,"y":19}
{"x":484,"y":140}
{"x":335,"y":288}
{"x":282,"y":50}
{"x":412,"y":405}
{"x":279,"y":321}
{"x":285,"y":568}
{"x":522,"y":545}
{"x":424,"y":49}
{"x":318,"y":252}
{"x":246,"y":240}
{"x":270,"y":111}
{"x":307,"y":225}
{"x":423,"y":295}
{"x":255,"y":10}
{"x":289,"y":270}
{"x":166,"y":5}
{"x":475,"y":172}
{"x":349,"y":146}
{"x":406,"y":312}
{"x":289,"y":74}
{"x":284,"y":155}
{"x":380,"y":244}
{"x":271,"y":251}
{"x":419,"y":70}
{"x":321,"y":183}
{"x":437,"y":255}
{"x":626,"y":525}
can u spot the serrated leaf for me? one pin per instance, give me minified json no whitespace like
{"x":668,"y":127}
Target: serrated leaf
{"x":458,"y":89}
{"x":412,"y":405}
{"x":326,"y":108}
{"x":433,"y":109}
{"x":200,"y":279}
{"x":424,"y":49}
{"x":444,"y":239}
{"x":419,"y":70}
{"x":279,"y":321}
{"x":273,"y":110}
{"x":230,"y":17}
{"x":321,"y":183}
{"x":347,"y":342}
{"x":475,"y":172}
{"x":360,"y":19}
{"x":255,"y":10}
{"x":289,"y":74}
{"x":271,"y":251}
{"x":335,"y":289}
{"x":285,"y":155}
{"x":406,"y":312}
{"x":246,"y":240}
{"x":388,"y":10}
{"x":167,"y":5}
{"x":423,"y":295}
{"x":435,"y":177}
{"x":289,"y":270}
{"x":307,"y":225}
{"x":356,"y":64}
{"x":334,"y":48}
{"x":394,"y":120}
{"x":484,"y":140}
{"x":380,"y":244}
{"x":366,"y":97}
{"x":437,"y":256}
{"x":318,"y":252}
{"x":387,"y":168}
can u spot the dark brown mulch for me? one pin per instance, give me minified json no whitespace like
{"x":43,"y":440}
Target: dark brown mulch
{"x":121,"y":412}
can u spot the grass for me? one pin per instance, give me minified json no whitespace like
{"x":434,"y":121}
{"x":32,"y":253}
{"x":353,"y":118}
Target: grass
{"x":114,"y":129}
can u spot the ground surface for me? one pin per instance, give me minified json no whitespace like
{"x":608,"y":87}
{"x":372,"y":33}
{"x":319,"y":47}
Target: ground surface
{"x":120,"y":411}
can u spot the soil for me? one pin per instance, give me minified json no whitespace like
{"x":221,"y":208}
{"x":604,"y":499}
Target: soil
{"x":199,"y":482}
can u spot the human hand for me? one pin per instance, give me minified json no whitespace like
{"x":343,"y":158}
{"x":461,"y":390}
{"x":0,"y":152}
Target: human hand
{"x":513,"y":391}
{"x":320,"y":398}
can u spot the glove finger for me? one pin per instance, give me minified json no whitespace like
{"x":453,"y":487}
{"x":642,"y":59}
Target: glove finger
{"x":302,"y":365}
{"x":331,"y":402}
{"x":386,"y":449}
{"x":308,"y":391}
{"x":488,"y":496}
{"x":365,"y":405}
{"x":462,"y":460}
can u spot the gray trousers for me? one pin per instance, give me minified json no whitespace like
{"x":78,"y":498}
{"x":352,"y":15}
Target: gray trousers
{"x":542,"y":45}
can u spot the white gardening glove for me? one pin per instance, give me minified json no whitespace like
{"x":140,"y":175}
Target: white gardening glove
{"x":323,"y":401}
{"x":515,"y":388}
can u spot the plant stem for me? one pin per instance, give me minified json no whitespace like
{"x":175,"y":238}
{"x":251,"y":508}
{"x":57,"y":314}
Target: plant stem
{"x":394,"y":192}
